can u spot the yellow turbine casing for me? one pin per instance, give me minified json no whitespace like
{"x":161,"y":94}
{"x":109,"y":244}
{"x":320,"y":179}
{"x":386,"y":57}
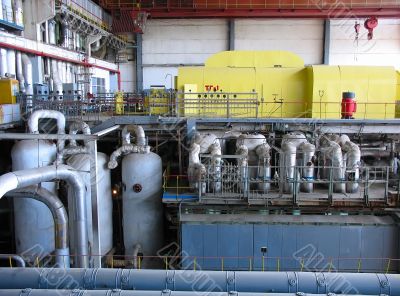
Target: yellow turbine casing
{"x":284,"y":87}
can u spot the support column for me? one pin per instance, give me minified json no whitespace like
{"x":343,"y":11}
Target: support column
{"x":139,"y":63}
{"x":327,"y":41}
{"x":231,"y":34}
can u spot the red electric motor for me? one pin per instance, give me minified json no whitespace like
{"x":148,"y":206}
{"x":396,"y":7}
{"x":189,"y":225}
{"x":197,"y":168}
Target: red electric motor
{"x":349,"y":105}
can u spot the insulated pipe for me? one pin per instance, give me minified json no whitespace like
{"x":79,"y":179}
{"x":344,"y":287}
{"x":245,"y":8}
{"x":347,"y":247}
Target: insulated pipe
{"x":60,"y":216}
{"x":243,"y":151}
{"x":333,"y":153}
{"x":20,"y":179}
{"x":201,"y":281}
{"x":308,"y":151}
{"x":165,"y":292}
{"x":3,"y":60}
{"x":33,"y":123}
{"x":78,"y":126}
{"x":28,"y":74}
{"x":70,"y":151}
{"x":290,"y":143}
{"x":353,"y":162}
{"x":288,"y":166}
{"x":140,"y":135}
{"x":127,"y":147}
{"x":18,"y":259}
{"x":57,"y":83}
{"x":264,"y":167}
{"x":196,"y":170}
{"x":11,"y":63}
{"x":123,"y":150}
{"x":20,"y":73}
{"x":215,"y":151}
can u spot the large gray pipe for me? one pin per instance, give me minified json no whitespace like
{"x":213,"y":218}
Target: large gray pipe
{"x":20,"y":179}
{"x":20,"y":72}
{"x":263,"y":152}
{"x":201,"y":281}
{"x":40,"y":292}
{"x":353,"y":162}
{"x":307,"y":151}
{"x":57,"y":82}
{"x":60,"y":216}
{"x":127,"y":147}
{"x":73,"y":148}
{"x":28,"y":74}
{"x":33,"y":123}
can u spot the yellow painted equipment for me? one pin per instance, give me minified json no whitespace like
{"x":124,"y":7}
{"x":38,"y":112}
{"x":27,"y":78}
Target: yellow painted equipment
{"x":9,"y":89}
{"x":284,"y":87}
{"x":119,"y":103}
{"x":159,"y":101}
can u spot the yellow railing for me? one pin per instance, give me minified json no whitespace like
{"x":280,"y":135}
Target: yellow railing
{"x":223,"y":263}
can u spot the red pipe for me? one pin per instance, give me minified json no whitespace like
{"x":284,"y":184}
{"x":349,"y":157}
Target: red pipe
{"x":56,"y":57}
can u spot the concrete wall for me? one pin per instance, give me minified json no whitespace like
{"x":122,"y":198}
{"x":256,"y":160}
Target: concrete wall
{"x":128,"y":76}
{"x":303,"y":37}
{"x":384,"y":49}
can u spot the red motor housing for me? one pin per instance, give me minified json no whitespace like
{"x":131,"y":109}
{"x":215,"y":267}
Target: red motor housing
{"x":349,"y":105}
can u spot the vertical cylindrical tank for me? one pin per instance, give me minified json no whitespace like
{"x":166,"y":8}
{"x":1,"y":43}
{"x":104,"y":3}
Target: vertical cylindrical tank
{"x":81,"y":162}
{"x":142,"y":207}
{"x":34,"y":224}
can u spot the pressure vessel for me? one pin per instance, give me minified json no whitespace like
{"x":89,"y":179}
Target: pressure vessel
{"x":81,"y":162}
{"x":34,"y":224}
{"x":142,"y":206}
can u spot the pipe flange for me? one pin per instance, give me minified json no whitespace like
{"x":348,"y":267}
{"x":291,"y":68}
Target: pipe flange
{"x":115,"y":292}
{"x":230,"y":279}
{"x":166,"y":292}
{"x":233,"y":293}
{"x":301,"y":294}
{"x":89,"y":279}
{"x":77,"y":292}
{"x":25,"y":291}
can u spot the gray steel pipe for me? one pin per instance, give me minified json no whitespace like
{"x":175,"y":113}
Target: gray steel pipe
{"x":127,"y":147}
{"x":60,"y":216}
{"x":353,"y":163}
{"x":78,"y":126}
{"x":263,"y":152}
{"x":33,"y":123}
{"x":20,"y":179}
{"x":18,"y":259}
{"x":307,"y":171}
{"x":202,"y":281}
{"x":166,"y":292}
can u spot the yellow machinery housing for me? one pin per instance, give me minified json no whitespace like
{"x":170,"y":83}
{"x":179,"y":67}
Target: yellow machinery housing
{"x":277,"y":84}
{"x":9,"y":89}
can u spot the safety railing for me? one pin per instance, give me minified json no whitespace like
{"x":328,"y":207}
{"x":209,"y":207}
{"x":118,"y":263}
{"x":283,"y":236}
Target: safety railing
{"x":313,"y":263}
{"x":231,"y":182}
{"x":254,"y":4}
{"x":204,"y":105}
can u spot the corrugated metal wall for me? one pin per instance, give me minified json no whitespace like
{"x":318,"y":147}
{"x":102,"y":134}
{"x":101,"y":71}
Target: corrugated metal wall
{"x":290,"y":247}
